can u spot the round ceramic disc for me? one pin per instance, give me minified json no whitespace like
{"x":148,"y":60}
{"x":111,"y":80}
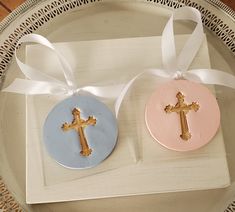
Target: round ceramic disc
{"x":182,"y":115}
{"x":80,"y":132}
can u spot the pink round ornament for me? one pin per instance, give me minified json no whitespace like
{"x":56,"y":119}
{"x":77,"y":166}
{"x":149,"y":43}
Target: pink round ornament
{"x":182,"y":115}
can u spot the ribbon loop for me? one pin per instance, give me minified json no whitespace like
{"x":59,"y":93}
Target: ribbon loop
{"x":173,"y":67}
{"x":170,"y":61}
{"x":39,"y":83}
{"x":176,"y":67}
{"x":34,"y":74}
{"x":168,"y":47}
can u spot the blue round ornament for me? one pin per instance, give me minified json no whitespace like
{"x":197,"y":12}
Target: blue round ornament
{"x":80,"y":132}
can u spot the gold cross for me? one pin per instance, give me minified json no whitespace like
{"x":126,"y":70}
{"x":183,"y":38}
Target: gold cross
{"x":182,"y":109}
{"x":79,"y":124}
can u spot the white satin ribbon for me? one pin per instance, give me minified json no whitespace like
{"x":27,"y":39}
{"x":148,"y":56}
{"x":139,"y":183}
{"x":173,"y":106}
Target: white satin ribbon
{"x":177,"y":67}
{"x":38,"y":82}
{"x":173,"y":67}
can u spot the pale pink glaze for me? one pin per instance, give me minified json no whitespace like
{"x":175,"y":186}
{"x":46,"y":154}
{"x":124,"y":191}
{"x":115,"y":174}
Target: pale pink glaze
{"x":165,"y":127}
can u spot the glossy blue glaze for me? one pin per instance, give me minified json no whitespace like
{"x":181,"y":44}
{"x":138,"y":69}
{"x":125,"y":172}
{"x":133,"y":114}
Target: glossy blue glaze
{"x":64,"y":146}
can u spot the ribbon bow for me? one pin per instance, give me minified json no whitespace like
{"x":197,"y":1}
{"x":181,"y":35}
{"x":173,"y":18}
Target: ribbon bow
{"x":38,"y":82}
{"x":173,"y":67}
{"x":177,"y":67}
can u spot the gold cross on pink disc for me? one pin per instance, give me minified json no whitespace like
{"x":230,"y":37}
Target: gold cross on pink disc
{"x":182,"y":115}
